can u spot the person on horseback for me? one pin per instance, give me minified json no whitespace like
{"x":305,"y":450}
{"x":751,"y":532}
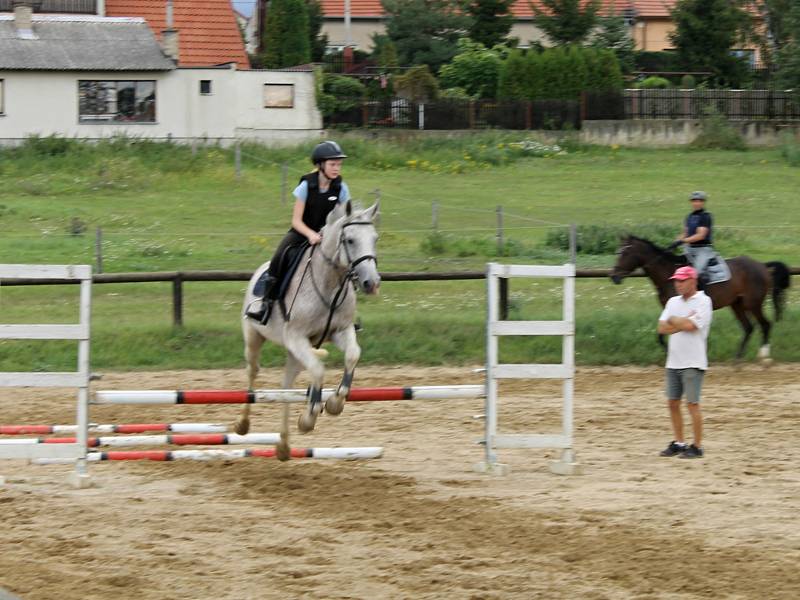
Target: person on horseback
{"x":697,"y":235}
{"x":316,"y":195}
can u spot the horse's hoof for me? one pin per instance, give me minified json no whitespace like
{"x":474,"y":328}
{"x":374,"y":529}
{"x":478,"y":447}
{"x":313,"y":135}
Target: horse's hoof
{"x":306,"y":422}
{"x":282,"y":452}
{"x":242,"y":426}
{"x":335,"y":405}
{"x":766,"y":362}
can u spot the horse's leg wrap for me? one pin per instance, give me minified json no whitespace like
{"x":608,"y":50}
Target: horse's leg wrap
{"x":308,"y":419}
{"x":335,"y":404}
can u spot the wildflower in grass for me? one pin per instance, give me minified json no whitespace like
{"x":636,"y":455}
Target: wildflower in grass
{"x":411,"y":163}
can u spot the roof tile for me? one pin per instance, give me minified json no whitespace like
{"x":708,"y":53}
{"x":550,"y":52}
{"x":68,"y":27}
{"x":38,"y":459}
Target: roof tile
{"x":209,"y":34}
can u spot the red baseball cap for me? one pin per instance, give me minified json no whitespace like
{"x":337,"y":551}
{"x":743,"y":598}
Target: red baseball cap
{"x":683,"y":273}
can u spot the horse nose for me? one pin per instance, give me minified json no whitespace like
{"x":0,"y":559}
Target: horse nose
{"x":370,"y":286}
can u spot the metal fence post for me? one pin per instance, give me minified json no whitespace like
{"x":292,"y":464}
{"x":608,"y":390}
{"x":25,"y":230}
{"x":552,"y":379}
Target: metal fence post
{"x":421,"y":115}
{"x":237,"y":160}
{"x":98,"y":249}
{"x":177,"y":300}
{"x":284,"y":181}
{"x":500,"y":244}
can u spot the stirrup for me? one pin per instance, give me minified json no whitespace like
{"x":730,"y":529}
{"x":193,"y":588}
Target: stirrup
{"x":262,"y":315}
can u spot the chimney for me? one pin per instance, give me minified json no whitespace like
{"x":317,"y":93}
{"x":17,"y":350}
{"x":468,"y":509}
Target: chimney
{"x":169,"y":36}
{"x":23,"y":19}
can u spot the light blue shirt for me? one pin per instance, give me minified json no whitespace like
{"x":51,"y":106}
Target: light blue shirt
{"x":301,"y":192}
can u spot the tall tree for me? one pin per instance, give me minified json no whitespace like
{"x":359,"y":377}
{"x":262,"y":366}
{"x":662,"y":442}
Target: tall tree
{"x":789,"y":55}
{"x":318,"y":42}
{"x":286,"y":37}
{"x":566,"y":21}
{"x":615,"y":35}
{"x":425,"y":32}
{"x":492,"y":21}
{"x":706,"y":31}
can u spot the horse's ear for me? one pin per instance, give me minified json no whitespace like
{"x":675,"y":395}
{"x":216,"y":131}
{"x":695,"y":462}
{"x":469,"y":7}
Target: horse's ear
{"x":348,"y":208}
{"x":372,"y":211}
{"x":337,"y":213}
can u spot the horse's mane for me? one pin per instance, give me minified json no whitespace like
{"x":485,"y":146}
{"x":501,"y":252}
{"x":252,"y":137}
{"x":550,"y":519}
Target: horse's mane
{"x":673,"y":258}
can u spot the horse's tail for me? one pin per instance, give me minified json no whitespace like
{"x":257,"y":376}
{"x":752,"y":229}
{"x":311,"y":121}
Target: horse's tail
{"x":781,"y":279}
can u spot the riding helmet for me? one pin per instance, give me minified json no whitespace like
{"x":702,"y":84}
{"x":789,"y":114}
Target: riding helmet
{"x":327,"y":151}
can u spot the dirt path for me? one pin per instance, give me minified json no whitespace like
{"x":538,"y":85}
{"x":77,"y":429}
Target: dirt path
{"x":419,"y":523}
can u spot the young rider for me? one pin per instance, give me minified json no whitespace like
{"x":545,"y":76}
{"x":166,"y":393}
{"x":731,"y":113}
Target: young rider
{"x":315,"y":197}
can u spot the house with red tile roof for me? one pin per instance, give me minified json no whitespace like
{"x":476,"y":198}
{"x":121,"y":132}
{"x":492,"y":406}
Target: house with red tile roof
{"x":208,"y":33}
{"x":650,"y":22}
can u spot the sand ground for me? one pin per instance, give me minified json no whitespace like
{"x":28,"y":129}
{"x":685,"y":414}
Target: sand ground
{"x":419,"y":523}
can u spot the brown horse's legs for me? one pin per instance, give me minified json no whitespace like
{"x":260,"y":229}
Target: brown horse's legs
{"x":741,"y":315}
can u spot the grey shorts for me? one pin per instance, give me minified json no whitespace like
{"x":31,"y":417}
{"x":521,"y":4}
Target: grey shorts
{"x":686,"y":382}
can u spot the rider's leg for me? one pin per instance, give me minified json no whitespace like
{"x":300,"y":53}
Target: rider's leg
{"x":261,"y":314}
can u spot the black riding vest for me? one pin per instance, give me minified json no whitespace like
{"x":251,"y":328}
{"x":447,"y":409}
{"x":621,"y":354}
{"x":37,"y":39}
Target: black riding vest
{"x":319,"y":204}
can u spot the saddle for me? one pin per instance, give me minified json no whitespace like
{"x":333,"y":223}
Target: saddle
{"x":716,"y":270}
{"x":289,"y":261}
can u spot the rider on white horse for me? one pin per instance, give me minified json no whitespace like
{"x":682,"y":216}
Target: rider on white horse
{"x":316,"y":196}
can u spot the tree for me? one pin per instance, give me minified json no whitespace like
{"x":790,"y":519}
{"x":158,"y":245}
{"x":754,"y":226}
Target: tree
{"x":286,"y":35}
{"x":417,"y":84}
{"x":789,"y":55}
{"x":384,"y":52}
{"x":318,"y":42}
{"x":566,"y":21}
{"x":615,"y":35}
{"x":492,"y":21}
{"x":474,"y":69}
{"x":705,"y":33}
{"x":425,"y":32}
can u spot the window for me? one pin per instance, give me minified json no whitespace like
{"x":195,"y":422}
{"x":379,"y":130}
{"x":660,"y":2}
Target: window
{"x":205,"y":86}
{"x":103,"y":101}
{"x":2,"y":110}
{"x":278,"y":95}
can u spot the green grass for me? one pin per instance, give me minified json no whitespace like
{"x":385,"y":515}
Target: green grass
{"x":163,"y":207}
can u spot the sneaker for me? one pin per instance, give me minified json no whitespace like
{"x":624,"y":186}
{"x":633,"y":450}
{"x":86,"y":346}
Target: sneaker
{"x":692,"y":452}
{"x":673,"y":449}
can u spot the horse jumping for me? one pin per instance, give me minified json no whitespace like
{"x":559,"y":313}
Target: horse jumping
{"x":744,"y":292}
{"x":320,"y":306}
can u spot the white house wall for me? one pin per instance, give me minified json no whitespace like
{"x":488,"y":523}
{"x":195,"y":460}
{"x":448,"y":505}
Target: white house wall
{"x":46,"y":103}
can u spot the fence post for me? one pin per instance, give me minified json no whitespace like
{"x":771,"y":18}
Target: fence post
{"x":177,"y":301}
{"x":573,"y":243}
{"x":503,"y":281}
{"x":237,"y":160}
{"x":98,"y":249}
{"x":500,"y":244}
{"x":364,"y":114}
{"x":529,"y":115}
{"x":471,"y":115}
{"x":284,"y":181}
{"x":421,"y":115}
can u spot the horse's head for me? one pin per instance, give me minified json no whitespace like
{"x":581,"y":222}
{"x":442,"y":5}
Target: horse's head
{"x":350,"y":239}
{"x":629,"y":257}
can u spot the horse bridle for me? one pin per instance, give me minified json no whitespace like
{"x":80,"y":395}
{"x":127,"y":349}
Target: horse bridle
{"x":348,"y":275}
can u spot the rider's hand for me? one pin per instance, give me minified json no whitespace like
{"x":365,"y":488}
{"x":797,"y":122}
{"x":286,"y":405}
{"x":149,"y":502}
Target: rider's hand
{"x":314,"y":238}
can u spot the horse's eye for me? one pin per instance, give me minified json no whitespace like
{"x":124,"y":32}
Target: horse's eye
{"x":350,"y":241}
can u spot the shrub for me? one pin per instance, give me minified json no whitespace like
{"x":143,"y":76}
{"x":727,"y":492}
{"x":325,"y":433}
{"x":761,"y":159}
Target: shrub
{"x":716,"y":132}
{"x":688,"y":82}
{"x":417,"y":84}
{"x":654,"y":83}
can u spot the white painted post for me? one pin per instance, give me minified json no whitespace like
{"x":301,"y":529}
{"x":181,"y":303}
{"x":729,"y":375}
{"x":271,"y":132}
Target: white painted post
{"x":80,"y":379}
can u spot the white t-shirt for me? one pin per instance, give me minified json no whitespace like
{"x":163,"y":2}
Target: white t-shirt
{"x":687,"y":349}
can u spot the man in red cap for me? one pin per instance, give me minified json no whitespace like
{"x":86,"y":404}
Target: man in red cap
{"x":686,"y":319}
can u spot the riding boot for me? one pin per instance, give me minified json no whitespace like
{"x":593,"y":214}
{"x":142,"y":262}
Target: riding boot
{"x":262,"y":314}
{"x":702,"y":281}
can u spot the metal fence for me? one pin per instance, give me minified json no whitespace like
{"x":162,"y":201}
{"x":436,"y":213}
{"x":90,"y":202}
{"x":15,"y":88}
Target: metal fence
{"x":695,"y":104}
{"x":457,"y":114}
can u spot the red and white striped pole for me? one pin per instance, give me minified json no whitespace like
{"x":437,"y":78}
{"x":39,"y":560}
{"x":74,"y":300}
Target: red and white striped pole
{"x":378,"y":394}
{"x":110,"y":428}
{"x":197,"y":439}
{"x":170,"y":455}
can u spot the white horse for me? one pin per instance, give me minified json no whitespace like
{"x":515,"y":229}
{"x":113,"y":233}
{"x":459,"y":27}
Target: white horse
{"x":320,"y":306}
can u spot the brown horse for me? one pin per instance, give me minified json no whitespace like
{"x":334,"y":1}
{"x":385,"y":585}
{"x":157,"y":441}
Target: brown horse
{"x":744,"y":292}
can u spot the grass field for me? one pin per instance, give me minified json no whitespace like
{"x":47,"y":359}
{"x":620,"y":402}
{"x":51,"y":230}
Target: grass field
{"x":162,"y":207}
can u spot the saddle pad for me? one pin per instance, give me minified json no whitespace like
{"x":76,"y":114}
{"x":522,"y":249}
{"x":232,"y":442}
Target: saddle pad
{"x":717,"y":270}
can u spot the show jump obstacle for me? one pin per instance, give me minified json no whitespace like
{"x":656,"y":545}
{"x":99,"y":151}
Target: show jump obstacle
{"x":75,"y":449}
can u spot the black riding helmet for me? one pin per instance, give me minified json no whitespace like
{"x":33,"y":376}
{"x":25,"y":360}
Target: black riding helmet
{"x":327,"y":151}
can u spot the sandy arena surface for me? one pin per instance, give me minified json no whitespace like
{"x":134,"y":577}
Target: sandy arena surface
{"x":419,"y":523}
